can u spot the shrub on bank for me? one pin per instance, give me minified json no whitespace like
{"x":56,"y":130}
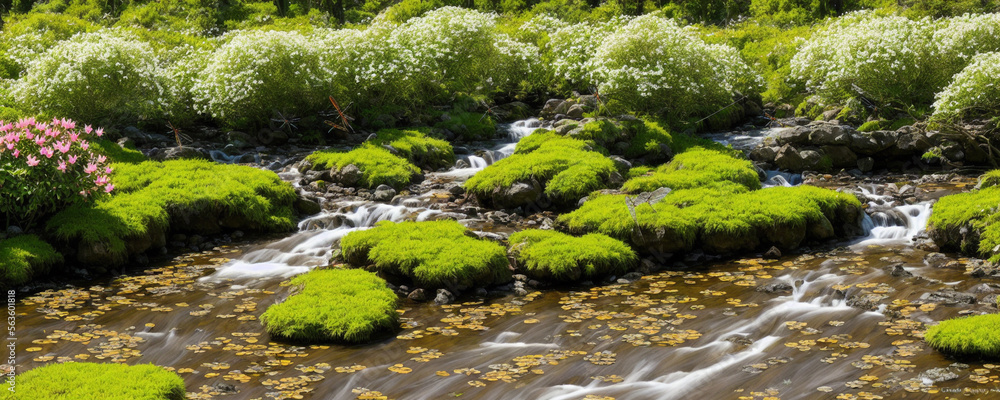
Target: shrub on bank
{"x":554,"y":256}
{"x":969,"y":221}
{"x":416,"y":146}
{"x":697,"y":167}
{"x":334,"y":305}
{"x":66,"y":381}
{"x":972,"y":92}
{"x":977,"y":336}
{"x":432,"y":254}
{"x":377,"y":165}
{"x":24,"y":257}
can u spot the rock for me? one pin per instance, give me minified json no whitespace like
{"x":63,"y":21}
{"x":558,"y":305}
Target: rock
{"x":239,"y":139}
{"x":224,"y":388}
{"x":461,"y":164}
{"x":799,"y":134}
{"x":518,"y":194}
{"x":813,"y":161}
{"x":775,"y":288}
{"x":841,"y":156}
{"x":565,"y":129}
{"x":181,"y":153}
{"x":773,"y":253}
{"x":829,"y":134}
{"x":347,"y":176}
{"x":821,"y":229}
{"x":912,"y":143}
{"x":632,"y":276}
{"x":867,"y":302}
{"x":869,"y":143}
{"x":936,"y":260}
{"x":384,"y":193}
{"x":14,"y":231}
{"x":764,"y":154}
{"x":307,"y":207}
{"x":898,"y":271}
{"x":520,"y":278}
{"x":621,"y":164}
{"x":443,"y":297}
{"x":935,"y":375}
{"x":788,"y":158}
{"x":575,"y":111}
{"x":549,"y":109}
{"x":418,"y":295}
{"x":268,"y":137}
{"x":985,"y":288}
{"x":456,"y":190}
{"x":949,"y":297}
{"x":830,"y":114}
{"x":865,"y":164}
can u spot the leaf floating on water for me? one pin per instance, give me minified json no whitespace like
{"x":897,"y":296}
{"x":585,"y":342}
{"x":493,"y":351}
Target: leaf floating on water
{"x":442,"y":373}
{"x":400,"y":369}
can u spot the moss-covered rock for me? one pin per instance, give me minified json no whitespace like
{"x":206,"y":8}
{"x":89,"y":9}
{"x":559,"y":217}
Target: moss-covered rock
{"x":191,"y":196}
{"x":567,"y":168}
{"x":555,"y":256}
{"x":377,"y":165}
{"x":969,"y":222}
{"x":697,"y":167}
{"x":336,"y":305}
{"x":432,"y":254}
{"x":977,"y":336}
{"x":416,"y":146}
{"x":24,"y":257}
{"x":73,"y":381}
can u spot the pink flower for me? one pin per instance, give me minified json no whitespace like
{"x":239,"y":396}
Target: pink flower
{"x":40,"y":140}
{"x":88,"y":129}
{"x":109,"y":188}
{"x":62,"y":166}
{"x":72,"y":159}
{"x":32,"y":161}
{"x":47,"y":152}
{"x":62,"y":147}
{"x":101,"y":159}
{"x":100,"y":132}
{"x":84,"y":145}
{"x":101,"y":181}
{"x":17,"y":152}
{"x":6,"y":127}
{"x":74,"y":137}
{"x":68,"y":124}
{"x":107,"y":170}
{"x":91,"y":168}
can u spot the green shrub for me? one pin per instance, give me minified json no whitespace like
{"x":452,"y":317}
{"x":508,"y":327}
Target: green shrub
{"x":697,"y":167}
{"x":116,"y":153}
{"x":427,"y":152}
{"x":24,"y":257}
{"x":977,"y":336}
{"x":334,"y":305}
{"x":149,"y":195}
{"x":566,"y":166}
{"x":469,"y":126}
{"x":26,"y":36}
{"x":377,"y":165}
{"x":71,"y":381}
{"x":433,"y":254}
{"x":972,"y":92}
{"x":975,"y":212}
{"x":193,"y":17}
{"x":551,"y":255}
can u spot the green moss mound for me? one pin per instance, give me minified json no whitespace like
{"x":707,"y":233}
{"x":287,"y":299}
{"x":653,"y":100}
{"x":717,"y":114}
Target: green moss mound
{"x":568,"y":169}
{"x":415,"y":146}
{"x":556,"y":256}
{"x":969,"y":222}
{"x":377,"y":165}
{"x":75,"y":381}
{"x":24,"y":257}
{"x":723,"y":217}
{"x":116,"y":153}
{"x":334,"y":305}
{"x":989,"y":179}
{"x":433,"y":254}
{"x":697,"y":167}
{"x":195,"y":196}
{"x":977,"y":336}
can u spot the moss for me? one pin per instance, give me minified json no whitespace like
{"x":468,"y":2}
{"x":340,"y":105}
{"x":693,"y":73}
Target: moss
{"x":72,"y":381}
{"x":989,"y":179}
{"x":377,"y":165}
{"x":899,"y":123}
{"x":636,"y":172}
{"x":334,"y":305}
{"x":150,"y":194}
{"x":24,"y":257}
{"x":974,"y":213}
{"x":697,"y":167}
{"x":415,"y":146}
{"x":567,"y":167}
{"x":433,"y":254}
{"x":117,"y":153}
{"x":646,"y":139}
{"x":977,"y":336}
{"x":469,"y":126}
{"x":871,"y":126}
{"x":602,"y":132}
{"x":551,"y":255}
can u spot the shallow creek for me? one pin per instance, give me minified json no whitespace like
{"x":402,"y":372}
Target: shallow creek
{"x":700,"y":331}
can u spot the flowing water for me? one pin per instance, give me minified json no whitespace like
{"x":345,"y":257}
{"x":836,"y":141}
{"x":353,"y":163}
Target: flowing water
{"x":742,"y":328}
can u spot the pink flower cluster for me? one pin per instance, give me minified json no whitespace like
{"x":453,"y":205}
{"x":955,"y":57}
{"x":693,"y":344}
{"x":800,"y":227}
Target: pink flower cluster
{"x":57,"y":152}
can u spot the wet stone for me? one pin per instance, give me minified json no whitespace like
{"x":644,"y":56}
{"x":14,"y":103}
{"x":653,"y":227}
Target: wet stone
{"x":867,"y":302}
{"x":949,"y":298}
{"x":935,"y":375}
{"x":775,"y":288}
{"x":898,"y":271}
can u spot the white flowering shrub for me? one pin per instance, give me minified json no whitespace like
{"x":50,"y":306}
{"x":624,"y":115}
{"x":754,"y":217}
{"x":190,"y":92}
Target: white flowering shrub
{"x":92,"y":77}
{"x":959,"y":39}
{"x":364,"y":67}
{"x":180,"y":73}
{"x":974,"y":91}
{"x":571,"y":47}
{"x":255,"y":73}
{"x":651,"y":64}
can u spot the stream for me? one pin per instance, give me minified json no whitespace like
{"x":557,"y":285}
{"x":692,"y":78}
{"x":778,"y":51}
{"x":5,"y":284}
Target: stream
{"x":750,"y":328}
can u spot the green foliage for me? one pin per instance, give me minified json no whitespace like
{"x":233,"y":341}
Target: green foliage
{"x":26,"y":36}
{"x":989,"y":179}
{"x":551,"y":255}
{"x":193,"y":17}
{"x":566,"y":167}
{"x":973,"y":211}
{"x":697,"y":167}
{"x":378,"y":166}
{"x":972,"y":92}
{"x":149,"y":195}
{"x":116,"y":153}
{"x":339,"y":305}
{"x":947,"y":8}
{"x":977,"y":336}
{"x":72,"y":381}
{"x":433,"y":254}
{"x":469,"y":126}
{"x":798,"y":12}
{"x":24,"y":257}
{"x":421,"y":150}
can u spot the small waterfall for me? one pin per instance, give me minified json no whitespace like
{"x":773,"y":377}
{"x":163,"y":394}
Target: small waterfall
{"x":778,"y":178}
{"x":515,"y":132}
{"x":897,"y":225}
{"x":476,"y":162}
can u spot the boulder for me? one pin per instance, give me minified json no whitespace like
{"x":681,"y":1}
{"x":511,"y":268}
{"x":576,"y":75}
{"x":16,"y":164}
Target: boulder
{"x":520,"y":193}
{"x":575,"y":111}
{"x":841,"y":156}
{"x":307,"y":207}
{"x":181,"y":153}
{"x":384,"y":193}
{"x":788,"y":158}
{"x":549,"y":109}
{"x":347,"y":176}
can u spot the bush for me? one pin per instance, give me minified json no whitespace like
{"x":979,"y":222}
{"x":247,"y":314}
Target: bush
{"x":977,"y":336}
{"x":193,"y":17}
{"x":26,"y":36}
{"x":550,"y":255}
{"x":200,"y":196}
{"x":24,"y":257}
{"x":66,"y":381}
{"x":377,"y":165}
{"x":697,"y":167}
{"x":421,"y":150}
{"x":565,"y":166}
{"x":469,"y":126}
{"x":973,"y":92}
{"x":433,"y":254}
{"x":47,"y":166}
{"x":93,"y":77}
{"x":570,"y":48}
{"x":969,"y":221}
{"x":334,"y":305}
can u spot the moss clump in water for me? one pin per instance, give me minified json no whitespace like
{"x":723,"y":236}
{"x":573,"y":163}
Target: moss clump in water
{"x":977,"y":336}
{"x":24,"y":257}
{"x":197,"y":196}
{"x":969,"y":222}
{"x":433,"y":254}
{"x":71,"y":381}
{"x":340,"y":305}
{"x":554,"y":256}
{"x":377,"y":165}
{"x":697,"y":167}
{"x":416,"y":146}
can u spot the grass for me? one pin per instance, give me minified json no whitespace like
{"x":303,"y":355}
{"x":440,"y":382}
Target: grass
{"x":976,"y":336}
{"x":566,"y":167}
{"x":433,"y":254}
{"x":551,"y":255}
{"x":975,"y":212}
{"x":697,"y":167}
{"x":469,"y":126}
{"x":150,"y":197}
{"x":415,"y":146}
{"x":377,"y":165}
{"x":74,"y":381}
{"x":989,"y":179}
{"x":339,"y":305}
{"x":117,"y":153}
{"x":24,"y":257}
